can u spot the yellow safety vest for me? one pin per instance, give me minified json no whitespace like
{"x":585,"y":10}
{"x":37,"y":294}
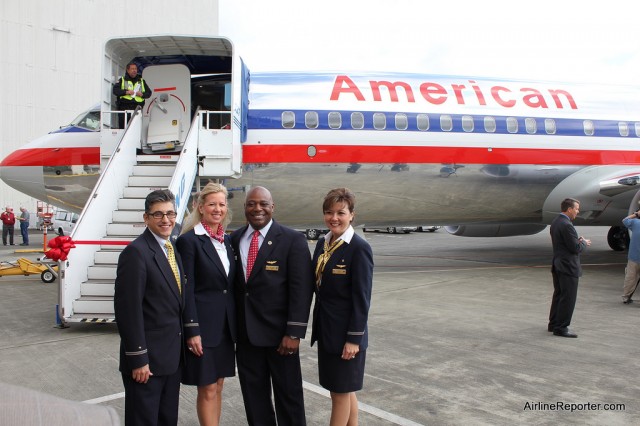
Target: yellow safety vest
{"x":130,"y":87}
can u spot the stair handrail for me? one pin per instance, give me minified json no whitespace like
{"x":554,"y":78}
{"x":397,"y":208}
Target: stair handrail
{"x":98,"y":212}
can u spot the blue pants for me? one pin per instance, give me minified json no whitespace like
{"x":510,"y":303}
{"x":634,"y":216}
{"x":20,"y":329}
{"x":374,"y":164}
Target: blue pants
{"x":24,"y":231}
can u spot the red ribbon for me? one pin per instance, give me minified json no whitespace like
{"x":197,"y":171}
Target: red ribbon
{"x":59,"y":248}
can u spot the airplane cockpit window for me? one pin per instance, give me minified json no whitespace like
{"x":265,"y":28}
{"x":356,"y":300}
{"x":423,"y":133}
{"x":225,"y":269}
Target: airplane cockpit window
{"x":288,"y":119}
{"x":550,"y":126}
{"x":530,"y":125}
{"x":401,"y":121}
{"x":379,"y":121}
{"x":467,"y":123}
{"x":357,"y":120}
{"x":489,"y":124}
{"x":623,"y":128}
{"x":311,"y":119}
{"x":637,"y":126}
{"x":446,"y":123}
{"x":335,"y":120}
{"x":588,"y":127}
{"x":423,"y":122}
{"x":89,"y":120}
{"x":512,"y":125}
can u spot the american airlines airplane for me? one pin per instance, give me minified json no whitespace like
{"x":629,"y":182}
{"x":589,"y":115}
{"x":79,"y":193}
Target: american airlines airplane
{"x":483,"y":156}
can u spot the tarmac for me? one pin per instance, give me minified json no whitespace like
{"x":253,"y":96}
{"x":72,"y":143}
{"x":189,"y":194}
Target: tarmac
{"x":458,"y":336}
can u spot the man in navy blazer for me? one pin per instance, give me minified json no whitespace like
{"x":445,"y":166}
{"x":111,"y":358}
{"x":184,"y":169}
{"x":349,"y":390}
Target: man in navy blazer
{"x":565,"y":268}
{"x":148,"y":303}
{"x":273,"y":304}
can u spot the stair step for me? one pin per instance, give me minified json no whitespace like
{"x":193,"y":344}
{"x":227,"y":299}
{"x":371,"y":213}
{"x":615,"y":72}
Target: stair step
{"x":125,"y":229}
{"x":115,"y":238}
{"x":102,"y":272}
{"x":128,"y":216}
{"x":137,"y":192}
{"x":158,"y":158}
{"x":93,"y":305}
{"x":153,"y":170}
{"x":150,"y":181}
{"x":131,"y":203}
{"x":97,"y":288}
{"x":109,"y":257}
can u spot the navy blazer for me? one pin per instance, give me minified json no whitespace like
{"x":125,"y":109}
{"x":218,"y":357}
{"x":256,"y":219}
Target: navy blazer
{"x":148,"y":307}
{"x":209,"y":303}
{"x":342,"y":301}
{"x":566,"y":247}
{"x":276,"y":300}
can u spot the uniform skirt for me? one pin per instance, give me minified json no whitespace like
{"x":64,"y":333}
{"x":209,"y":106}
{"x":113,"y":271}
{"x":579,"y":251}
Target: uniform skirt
{"x":215,"y":363}
{"x":339,"y":375}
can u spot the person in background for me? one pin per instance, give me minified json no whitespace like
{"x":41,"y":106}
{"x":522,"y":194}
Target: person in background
{"x":343,"y":264}
{"x":565,"y":267}
{"x":210,"y":313}
{"x":24,"y":226}
{"x":632,"y":271}
{"x":8,"y":223}
{"x":148,"y":303}
{"x":130,"y":91}
{"x":274,"y":288}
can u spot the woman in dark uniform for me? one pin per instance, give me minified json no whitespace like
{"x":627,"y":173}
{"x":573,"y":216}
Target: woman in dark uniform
{"x":344,"y":271}
{"x":210,"y":316}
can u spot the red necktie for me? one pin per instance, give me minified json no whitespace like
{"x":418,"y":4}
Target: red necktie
{"x":253,"y":252}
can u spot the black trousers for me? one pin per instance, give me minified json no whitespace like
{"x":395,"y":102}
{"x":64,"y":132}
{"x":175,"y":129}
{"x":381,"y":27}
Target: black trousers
{"x":154,"y":403}
{"x":565,"y":292}
{"x":258,"y":369}
{"x":7,"y":230}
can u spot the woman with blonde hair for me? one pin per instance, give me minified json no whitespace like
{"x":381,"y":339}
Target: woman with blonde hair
{"x":209,"y":315}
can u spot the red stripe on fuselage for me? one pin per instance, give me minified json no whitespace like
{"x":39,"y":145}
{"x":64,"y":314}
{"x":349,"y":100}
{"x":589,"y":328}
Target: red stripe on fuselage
{"x":53,"y":157}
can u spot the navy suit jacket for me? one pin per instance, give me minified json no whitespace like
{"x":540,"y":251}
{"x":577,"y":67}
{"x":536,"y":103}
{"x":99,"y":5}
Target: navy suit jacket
{"x":209,"y":294}
{"x":148,"y":308}
{"x":342,"y":301}
{"x":276,"y":300}
{"x":566,"y":247}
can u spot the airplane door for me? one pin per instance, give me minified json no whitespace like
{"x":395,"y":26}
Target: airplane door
{"x":167,"y":113}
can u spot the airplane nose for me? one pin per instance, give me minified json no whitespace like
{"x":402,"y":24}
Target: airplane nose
{"x":28,"y":179}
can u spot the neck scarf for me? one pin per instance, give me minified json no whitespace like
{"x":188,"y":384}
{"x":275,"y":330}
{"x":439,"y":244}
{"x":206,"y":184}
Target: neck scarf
{"x":324,"y":258}
{"x":218,"y":235}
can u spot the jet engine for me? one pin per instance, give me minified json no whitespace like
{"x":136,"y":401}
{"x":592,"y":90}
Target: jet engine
{"x":498,"y":230}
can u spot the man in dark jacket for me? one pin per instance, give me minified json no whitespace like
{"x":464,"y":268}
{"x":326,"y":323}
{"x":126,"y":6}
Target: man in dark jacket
{"x":130,"y":91}
{"x":565,"y":268}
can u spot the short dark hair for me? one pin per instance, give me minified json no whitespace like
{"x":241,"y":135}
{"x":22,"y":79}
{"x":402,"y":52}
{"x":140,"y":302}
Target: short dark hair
{"x":339,"y":195}
{"x":131,"y":63}
{"x":567,"y":203}
{"x":158,"y":196}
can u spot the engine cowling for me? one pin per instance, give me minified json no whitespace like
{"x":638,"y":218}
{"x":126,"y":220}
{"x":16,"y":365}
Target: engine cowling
{"x":498,"y":230}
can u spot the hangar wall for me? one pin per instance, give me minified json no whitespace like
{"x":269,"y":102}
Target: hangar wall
{"x":51,"y":59}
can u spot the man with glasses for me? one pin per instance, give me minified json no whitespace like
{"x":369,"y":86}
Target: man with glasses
{"x":148,"y":303}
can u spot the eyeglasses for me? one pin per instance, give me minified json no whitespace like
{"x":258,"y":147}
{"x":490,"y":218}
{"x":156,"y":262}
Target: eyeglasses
{"x":159,"y":215}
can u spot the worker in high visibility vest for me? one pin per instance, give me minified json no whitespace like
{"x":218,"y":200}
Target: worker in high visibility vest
{"x":130,"y":91}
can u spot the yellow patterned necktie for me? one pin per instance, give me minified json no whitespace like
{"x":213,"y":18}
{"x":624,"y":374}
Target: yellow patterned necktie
{"x":324,"y":258}
{"x":172,"y":262}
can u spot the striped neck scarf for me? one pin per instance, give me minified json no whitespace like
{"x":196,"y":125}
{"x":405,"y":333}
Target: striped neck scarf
{"x":324,"y":258}
{"x":218,"y":235}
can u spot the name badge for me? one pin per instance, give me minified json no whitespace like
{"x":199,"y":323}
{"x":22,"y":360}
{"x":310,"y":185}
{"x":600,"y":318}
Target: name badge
{"x":339,"y":271}
{"x":271,"y":267}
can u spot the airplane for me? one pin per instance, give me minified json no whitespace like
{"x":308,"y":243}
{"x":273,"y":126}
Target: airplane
{"x":483,"y":157}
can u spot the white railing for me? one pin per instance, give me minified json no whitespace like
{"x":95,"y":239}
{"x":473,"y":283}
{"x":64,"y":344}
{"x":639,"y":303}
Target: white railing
{"x":97,"y":213}
{"x":186,"y":169}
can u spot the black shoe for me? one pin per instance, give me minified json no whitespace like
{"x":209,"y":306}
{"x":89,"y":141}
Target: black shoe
{"x":564,"y":333}
{"x":627,"y":300}
{"x":23,"y":244}
{"x":549,"y":328}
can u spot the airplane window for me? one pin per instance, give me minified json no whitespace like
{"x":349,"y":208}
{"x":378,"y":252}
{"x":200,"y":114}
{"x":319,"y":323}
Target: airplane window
{"x":379,"y":121}
{"x":311,"y":119}
{"x":335,"y":120}
{"x":637,"y":126}
{"x":512,"y":125}
{"x":623,"y":127}
{"x":467,"y":123}
{"x":530,"y":125}
{"x":589,"y":130}
{"x":550,"y":126}
{"x":446,"y":123}
{"x":489,"y":124}
{"x":423,"y":121}
{"x":357,"y":120}
{"x":401,"y":121}
{"x":288,"y":119}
